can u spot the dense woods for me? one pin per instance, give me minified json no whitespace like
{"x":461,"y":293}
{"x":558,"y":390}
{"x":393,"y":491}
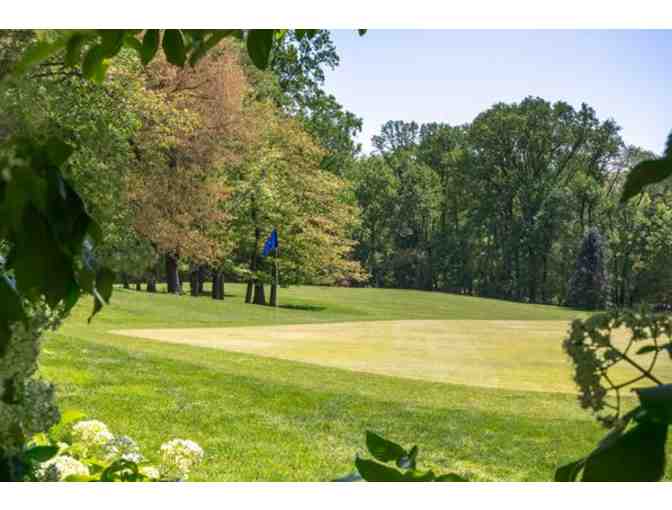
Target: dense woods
{"x":500,"y":207}
{"x":188,"y":170}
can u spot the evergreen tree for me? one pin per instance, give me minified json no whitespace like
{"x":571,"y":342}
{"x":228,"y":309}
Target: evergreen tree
{"x":588,"y":286}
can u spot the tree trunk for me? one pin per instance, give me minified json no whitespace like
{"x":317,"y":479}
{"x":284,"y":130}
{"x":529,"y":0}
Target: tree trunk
{"x":194,"y":282}
{"x":217,"y":285}
{"x":138,"y":285}
{"x":172,"y":275}
{"x":151,"y":283}
{"x":124,"y":279}
{"x":253,"y":283}
{"x":202,"y":274}
{"x":259,"y":295}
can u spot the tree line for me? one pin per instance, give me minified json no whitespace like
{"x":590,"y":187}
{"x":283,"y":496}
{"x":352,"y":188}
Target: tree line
{"x":187,"y":170}
{"x":499,"y":207}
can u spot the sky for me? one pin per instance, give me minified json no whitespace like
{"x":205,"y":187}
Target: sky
{"x":452,"y":75}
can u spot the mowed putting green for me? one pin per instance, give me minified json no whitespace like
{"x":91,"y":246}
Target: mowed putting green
{"x":514,"y":355}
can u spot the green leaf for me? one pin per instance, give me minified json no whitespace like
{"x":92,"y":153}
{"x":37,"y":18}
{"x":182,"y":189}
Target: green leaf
{"x":207,"y":44}
{"x":352,"y":477}
{"x":450,"y":477}
{"x":79,"y":478}
{"x":259,"y":45}
{"x":647,"y":348}
{"x":120,"y":470}
{"x":173,"y":47}
{"x":40,"y":266}
{"x":93,"y":62}
{"x":382,"y":449}
{"x":569,"y":472}
{"x":39,"y":52}
{"x":372,"y":471}
{"x":73,"y":52}
{"x":644,"y":174}
{"x":150,"y":45}
{"x":414,"y":476}
{"x":58,"y":152}
{"x":111,"y":41}
{"x":102,"y":290}
{"x":657,"y":402}
{"x":131,"y":42}
{"x":408,"y":461}
{"x":41,"y":453}
{"x":636,"y":456}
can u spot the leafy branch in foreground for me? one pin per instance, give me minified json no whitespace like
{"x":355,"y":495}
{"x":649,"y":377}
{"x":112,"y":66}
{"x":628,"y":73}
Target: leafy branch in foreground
{"x":634,"y":450}
{"x":393,"y":464}
{"x":93,"y":49}
{"x":648,"y":172}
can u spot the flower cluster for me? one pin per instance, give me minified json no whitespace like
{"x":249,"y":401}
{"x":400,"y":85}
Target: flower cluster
{"x":125,"y":448}
{"x":59,"y":468}
{"x":26,"y":403}
{"x":92,"y":436}
{"x":592,"y":350}
{"x":93,"y":453}
{"x":178,"y":458}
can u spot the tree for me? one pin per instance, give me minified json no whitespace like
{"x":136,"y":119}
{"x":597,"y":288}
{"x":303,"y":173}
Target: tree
{"x":178,"y":201}
{"x":589,"y":286}
{"x":298,"y":63}
{"x":376,"y":189}
{"x":281,"y":185}
{"x":525,"y":154}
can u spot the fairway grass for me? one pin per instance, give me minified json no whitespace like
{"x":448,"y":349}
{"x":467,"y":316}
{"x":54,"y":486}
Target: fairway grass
{"x":262,"y":418}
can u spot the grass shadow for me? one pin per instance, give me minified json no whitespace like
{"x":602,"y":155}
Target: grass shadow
{"x":304,"y":308}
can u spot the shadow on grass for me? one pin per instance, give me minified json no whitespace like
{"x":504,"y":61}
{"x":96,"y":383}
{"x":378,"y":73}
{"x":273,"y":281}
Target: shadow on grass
{"x":305,"y":308}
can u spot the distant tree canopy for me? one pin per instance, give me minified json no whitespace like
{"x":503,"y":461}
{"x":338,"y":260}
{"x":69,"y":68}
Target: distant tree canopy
{"x":499,"y":207}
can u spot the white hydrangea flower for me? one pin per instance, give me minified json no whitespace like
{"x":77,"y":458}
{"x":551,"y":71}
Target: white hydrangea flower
{"x":93,"y":435}
{"x":29,"y":407}
{"x":125,"y":448}
{"x":179,"y":457}
{"x":59,"y":468}
{"x":151,"y":472}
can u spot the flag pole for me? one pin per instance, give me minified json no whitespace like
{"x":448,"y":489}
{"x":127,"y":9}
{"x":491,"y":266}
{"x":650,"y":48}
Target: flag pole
{"x":277,"y":274}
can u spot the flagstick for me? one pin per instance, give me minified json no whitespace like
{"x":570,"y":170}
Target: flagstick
{"x":277,"y":275}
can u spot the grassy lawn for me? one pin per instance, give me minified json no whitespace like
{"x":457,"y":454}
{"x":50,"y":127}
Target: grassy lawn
{"x":262,"y":418}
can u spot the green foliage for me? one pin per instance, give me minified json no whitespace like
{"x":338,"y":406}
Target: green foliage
{"x":404,"y":470}
{"x":150,"y":45}
{"x":634,"y":450}
{"x":259,"y":45}
{"x":173,"y":47}
{"x":645,"y":174}
{"x":648,"y":172}
{"x":299,"y":62}
{"x":46,"y":226}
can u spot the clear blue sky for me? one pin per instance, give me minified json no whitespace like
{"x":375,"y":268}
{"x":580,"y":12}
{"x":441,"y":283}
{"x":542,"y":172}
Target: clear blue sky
{"x":452,"y":75}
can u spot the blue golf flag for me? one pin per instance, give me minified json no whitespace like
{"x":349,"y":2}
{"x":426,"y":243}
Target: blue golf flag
{"x":271,"y":243}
